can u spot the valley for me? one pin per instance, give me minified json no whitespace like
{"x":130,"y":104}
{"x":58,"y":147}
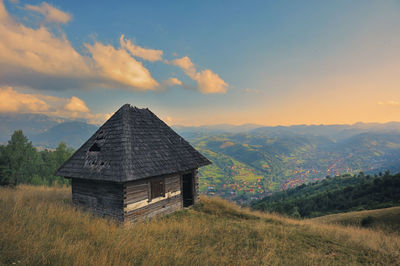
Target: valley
{"x":249,"y":166}
{"x":250,"y":161}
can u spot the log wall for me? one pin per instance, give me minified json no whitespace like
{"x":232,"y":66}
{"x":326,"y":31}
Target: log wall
{"x":102,"y":198}
{"x":131,"y":201}
{"x":139,"y":206}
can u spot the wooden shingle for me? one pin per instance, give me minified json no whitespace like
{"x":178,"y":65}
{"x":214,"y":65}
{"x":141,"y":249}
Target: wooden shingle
{"x":133,"y":144}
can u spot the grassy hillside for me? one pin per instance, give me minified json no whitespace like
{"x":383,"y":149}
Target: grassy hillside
{"x":40,"y":226}
{"x":335,"y":195}
{"x":387,"y":220}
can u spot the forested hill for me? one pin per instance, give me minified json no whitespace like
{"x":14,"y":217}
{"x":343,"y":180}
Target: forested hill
{"x":334,"y":195}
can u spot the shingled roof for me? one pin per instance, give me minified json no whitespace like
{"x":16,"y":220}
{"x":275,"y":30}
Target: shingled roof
{"x":133,"y":144}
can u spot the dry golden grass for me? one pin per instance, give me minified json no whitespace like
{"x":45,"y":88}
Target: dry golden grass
{"x":386,"y":220}
{"x":40,"y":226}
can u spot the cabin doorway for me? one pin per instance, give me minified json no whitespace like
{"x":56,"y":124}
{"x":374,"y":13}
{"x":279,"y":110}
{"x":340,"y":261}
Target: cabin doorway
{"x":187,"y":187}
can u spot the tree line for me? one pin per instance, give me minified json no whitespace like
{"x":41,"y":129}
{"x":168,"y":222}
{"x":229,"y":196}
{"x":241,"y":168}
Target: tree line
{"x":335,"y":195}
{"x":22,"y":163}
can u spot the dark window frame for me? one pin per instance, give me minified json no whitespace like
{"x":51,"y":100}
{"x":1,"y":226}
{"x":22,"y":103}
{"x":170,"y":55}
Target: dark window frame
{"x":157,"y":188}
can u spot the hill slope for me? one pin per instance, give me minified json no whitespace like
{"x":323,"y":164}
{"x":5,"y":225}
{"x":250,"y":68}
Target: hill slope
{"x":334,"y":195}
{"x":387,"y":220}
{"x":39,"y":226}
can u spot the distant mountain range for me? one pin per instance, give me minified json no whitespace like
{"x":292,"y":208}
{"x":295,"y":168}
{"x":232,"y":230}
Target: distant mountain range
{"x":335,"y":132}
{"x":250,"y":161}
{"x":73,"y":133}
{"x":40,"y":127}
{"x":31,"y":124}
{"x":46,"y":131}
{"x":221,"y":128}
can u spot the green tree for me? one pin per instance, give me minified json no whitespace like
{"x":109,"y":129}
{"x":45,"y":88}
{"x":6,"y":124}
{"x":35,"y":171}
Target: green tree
{"x":62,"y":153}
{"x":19,"y":160}
{"x":4,"y":171}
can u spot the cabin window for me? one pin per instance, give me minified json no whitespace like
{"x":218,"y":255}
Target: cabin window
{"x":157,"y":188}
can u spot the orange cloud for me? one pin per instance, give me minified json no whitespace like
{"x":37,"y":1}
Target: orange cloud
{"x":119,"y":66}
{"x":14,"y":101}
{"x":76,"y":105}
{"x":207,"y":81}
{"x":39,"y":59}
{"x":186,"y":65}
{"x":50,"y":13}
{"x":36,"y":49}
{"x":248,"y":90}
{"x":169,"y":83}
{"x":173,"y":81}
{"x":390,"y":103}
{"x":146,"y":54}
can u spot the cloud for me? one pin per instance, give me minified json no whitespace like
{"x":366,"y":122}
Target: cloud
{"x":76,"y":105}
{"x":170,"y":82}
{"x":50,"y":13}
{"x":146,"y":54}
{"x":36,"y":49}
{"x":248,"y":90}
{"x":38,"y":59}
{"x":389,"y":103}
{"x":173,"y":81}
{"x":186,"y":65}
{"x":119,"y":66}
{"x":207,"y":81}
{"x":14,"y":101}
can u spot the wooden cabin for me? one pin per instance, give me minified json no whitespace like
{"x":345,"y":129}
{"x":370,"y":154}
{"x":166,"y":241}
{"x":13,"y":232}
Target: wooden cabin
{"x":134,"y":167}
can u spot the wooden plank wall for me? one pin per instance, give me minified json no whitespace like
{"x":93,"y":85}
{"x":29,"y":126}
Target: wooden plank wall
{"x":136,"y":199}
{"x":102,"y":198}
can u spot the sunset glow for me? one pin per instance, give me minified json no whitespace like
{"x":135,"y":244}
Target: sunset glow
{"x":204,"y":63}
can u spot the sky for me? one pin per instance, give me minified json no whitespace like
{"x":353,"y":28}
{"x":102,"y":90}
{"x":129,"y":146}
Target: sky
{"x":203,"y":62}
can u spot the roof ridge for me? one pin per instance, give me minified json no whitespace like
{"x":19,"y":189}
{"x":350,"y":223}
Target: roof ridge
{"x":133,"y":144}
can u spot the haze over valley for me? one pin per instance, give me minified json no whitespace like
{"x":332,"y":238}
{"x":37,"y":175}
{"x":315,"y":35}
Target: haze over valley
{"x":251,"y":161}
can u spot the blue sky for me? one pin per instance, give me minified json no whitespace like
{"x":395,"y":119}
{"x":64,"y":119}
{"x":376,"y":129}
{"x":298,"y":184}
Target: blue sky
{"x":270,"y":62}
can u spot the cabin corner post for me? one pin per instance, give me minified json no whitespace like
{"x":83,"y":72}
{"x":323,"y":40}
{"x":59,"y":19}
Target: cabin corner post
{"x":196,"y":192}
